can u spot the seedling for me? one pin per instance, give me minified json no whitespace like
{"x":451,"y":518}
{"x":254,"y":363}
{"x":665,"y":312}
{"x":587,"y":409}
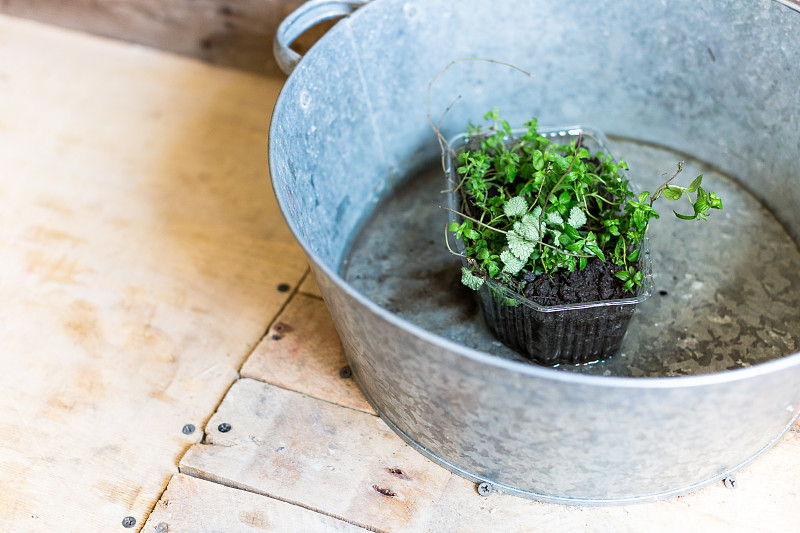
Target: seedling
{"x":532,"y":205}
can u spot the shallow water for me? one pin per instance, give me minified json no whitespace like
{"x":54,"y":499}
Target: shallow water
{"x":727,"y":291}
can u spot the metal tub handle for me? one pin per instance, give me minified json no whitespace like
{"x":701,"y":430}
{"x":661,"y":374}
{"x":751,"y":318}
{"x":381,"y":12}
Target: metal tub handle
{"x":301,"y":19}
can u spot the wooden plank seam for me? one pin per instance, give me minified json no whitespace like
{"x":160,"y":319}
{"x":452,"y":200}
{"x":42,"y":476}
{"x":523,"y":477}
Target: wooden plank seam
{"x":237,"y":486}
{"x":188,"y":471}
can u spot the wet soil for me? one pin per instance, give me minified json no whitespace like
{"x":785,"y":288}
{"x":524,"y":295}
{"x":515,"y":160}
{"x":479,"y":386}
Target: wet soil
{"x":594,"y":283}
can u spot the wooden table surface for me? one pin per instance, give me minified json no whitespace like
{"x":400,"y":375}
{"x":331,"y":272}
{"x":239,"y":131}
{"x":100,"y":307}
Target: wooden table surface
{"x":148,"y":282}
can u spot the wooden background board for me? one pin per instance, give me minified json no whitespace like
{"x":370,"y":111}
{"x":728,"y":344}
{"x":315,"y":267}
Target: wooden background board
{"x":140,"y":256}
{"x":192,"y":505}
{"x":233,"y":33}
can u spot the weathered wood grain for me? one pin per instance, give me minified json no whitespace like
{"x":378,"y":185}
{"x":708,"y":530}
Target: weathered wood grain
{"x":302,"y":352}
{"x":140,"y":255}
{"x":309,"y":286}
{"x":234,"y":33}
{"x":192,"y":505}
{"x":322,"y":456}
{"x":299,"y":449}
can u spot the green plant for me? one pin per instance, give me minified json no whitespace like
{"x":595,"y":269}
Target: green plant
{"x":529,"y":204}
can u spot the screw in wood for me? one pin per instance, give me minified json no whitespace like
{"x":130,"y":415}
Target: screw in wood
{"x":484,"y":489}
{"x":128,"y":521}
{"x":730,"y":482}
{"x":276,"y":337}
{"x":284,"y":287}
{"x":224,"y":427}
{"x":345,"y":372}
{"x":188,"y":429}
{"x":162,"y":527}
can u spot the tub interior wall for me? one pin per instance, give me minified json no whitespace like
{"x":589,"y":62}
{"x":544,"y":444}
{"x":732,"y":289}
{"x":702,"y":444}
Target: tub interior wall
{"x":717,"y":80}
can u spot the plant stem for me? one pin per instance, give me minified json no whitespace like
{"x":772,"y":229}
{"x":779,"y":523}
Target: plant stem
{"x":663,"y":186}
{"x":564,"y":175}
{"x":447,"y":243}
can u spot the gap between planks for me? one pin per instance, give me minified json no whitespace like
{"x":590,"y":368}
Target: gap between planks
{"x":305,"y":286}
{"x":192,"y":472}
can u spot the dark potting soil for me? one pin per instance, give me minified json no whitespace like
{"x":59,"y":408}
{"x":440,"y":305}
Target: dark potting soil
{"x":593,"y":283}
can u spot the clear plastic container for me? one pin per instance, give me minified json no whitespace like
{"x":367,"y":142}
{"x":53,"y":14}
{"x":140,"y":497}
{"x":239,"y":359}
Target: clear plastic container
{"x":559,"y":334}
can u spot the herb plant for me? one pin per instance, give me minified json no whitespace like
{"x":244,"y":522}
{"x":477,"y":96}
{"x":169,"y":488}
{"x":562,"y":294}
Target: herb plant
{"x":529,"y":204}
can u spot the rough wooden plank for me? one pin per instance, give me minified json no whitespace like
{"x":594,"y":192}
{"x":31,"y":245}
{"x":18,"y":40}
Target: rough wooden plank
{"x":325,"y":457}
{"x":234,"y":33}
{"x":192,"y":505}
{"x":302,"y":352}
{"x":137,"y":266}
{"x":310,"y":287}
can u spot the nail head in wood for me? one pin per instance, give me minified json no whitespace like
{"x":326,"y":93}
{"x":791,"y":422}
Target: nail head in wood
{"x":224,"y":427}
{"x":188,"y":429}
{"x":128,"y":521}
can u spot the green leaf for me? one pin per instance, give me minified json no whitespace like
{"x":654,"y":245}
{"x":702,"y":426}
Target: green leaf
{"x":470,"y":280}
{"x":521,"y":248}
{"x":643,"y":197}
{"x":577,"y":217}
{"x":511,"y":263}
{"x":453,"y":226}
{"x":702,"y":194}
{"x":673,"y":193}
{"x":528,"y":227}
{"x":583,"y":263}
{"x":634,"y":255}
{"x":472,"y":234}
{"x":537,"y":159}
{"x":700,"y":206}
{"x":624,"y":275}
{"x":572,"y":232}
{"x":554,"y":218}
{"x":695,"y":184}
{"x":561,"y":162}
{"x":515,"y":207}
{"x":593,"y":248}
{"x":565,"y":239}
{"x":684,"y":217}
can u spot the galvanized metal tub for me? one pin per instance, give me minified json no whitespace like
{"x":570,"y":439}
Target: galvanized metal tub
{"x":717,"y":81}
